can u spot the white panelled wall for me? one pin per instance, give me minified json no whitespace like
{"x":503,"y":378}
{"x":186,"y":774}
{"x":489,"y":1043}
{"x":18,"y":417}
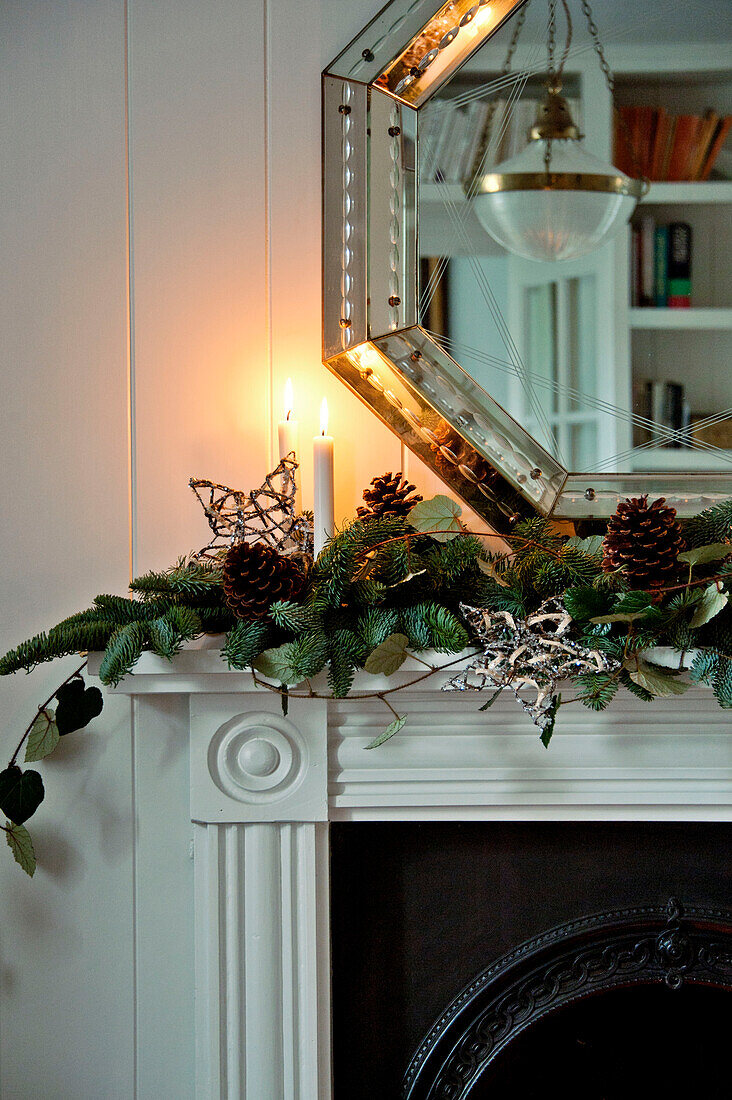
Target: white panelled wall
{"x":160,"y":243}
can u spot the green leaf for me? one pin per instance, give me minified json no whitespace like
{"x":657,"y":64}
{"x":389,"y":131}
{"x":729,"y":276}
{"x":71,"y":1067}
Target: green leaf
{"x":43,"y":737}
{"x":437,"y":517}
{"x":635,"y":689}
{"x":656,"y":682}
{"x":21,"y":845}
{"x":21,"y":793}
{"x":591,"y":545}
{"x":77,"y":706}
{"x":629,"y":607}
{"x":711,"y":603}
{"x":395,"y":726}
{"x":275,"y":664}
{"x":548,"y":728}
{"x":584,"y":601}
{"x":491,"y":701}
{"x":700,"y":555}
{"x":387,"y":657}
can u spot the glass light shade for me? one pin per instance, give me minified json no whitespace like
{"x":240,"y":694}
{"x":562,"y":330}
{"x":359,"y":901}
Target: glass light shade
{"x":584,"y":201}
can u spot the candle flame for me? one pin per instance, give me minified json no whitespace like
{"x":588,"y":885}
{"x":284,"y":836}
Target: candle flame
{"x":288,"y":400}
{"x":324,"y":417}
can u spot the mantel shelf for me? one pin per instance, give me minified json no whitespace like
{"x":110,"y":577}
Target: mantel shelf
{"x":671,"y":758}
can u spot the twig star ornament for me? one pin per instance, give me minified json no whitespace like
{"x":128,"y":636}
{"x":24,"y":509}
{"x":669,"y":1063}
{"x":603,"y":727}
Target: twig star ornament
{"x":265,"y":515}
{"x":529,"y":655}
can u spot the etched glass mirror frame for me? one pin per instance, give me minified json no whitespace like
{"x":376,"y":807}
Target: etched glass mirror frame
{"x":372,"y":339}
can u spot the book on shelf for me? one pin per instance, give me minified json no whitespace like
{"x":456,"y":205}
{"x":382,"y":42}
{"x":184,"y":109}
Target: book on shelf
{"x":660,"y":272}
{"x":653,"y":143}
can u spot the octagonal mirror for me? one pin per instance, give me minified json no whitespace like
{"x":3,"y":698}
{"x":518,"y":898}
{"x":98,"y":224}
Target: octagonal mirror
{"x":526,"y":247}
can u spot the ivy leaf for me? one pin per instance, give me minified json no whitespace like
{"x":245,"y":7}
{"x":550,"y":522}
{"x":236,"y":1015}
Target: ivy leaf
{"x":656,"y":682}
{"x":437,"y":517}
{"x":395,"y":726}
{"x":21,"y":793}
{"x":711,"y":603}
{"x":492,"y":699}
{"x":275,"y":664}
{"x":700,"y":555}
{"x":21,"y":845}
{"x":584,"y":601}
{"x":548,"y":728}
{"x":591,"y":545}
{"x":389,"y":656}
{"x":43,"y":737}
{"x":630,"y":606}
{"x":77,"y":705}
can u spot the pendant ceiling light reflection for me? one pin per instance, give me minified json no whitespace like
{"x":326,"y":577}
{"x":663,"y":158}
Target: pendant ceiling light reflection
{"x":555,"y":200}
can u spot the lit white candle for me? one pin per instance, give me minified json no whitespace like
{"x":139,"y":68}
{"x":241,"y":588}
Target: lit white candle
{"x":287,"y":435}
{"x":324,"y":505}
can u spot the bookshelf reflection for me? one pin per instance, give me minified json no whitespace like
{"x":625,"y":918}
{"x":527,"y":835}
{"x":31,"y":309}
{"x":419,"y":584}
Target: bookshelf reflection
{"x":617,"y":361}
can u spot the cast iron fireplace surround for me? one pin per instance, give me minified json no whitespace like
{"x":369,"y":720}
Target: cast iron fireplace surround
{"x":526,"y":960}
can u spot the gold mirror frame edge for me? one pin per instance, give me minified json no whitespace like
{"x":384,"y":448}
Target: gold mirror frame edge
{"x":579,"y":500}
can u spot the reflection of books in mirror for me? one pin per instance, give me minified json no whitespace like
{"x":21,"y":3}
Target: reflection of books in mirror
{"x":669,"y":147}
{"x":457,"y":134}
{"x":660,"y":264}
{"x":662,"y":403}
{"x":679,"y":265}
{"x":648,"y":260}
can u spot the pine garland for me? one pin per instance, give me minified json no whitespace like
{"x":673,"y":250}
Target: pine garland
{"x":383,"y":586}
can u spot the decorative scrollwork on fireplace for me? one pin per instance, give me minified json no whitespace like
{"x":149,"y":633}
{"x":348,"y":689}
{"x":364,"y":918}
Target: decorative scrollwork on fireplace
{"x":640,"y":946}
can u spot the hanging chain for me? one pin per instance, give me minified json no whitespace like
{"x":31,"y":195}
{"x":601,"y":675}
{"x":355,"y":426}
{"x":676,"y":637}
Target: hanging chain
{"x":595,"y":35}
{"x":479,"y":157}
{"x":610,"y":81}
{"x":551,"y":42}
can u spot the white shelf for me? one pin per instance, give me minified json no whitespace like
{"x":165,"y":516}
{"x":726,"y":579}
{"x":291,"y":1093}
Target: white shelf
{"x":441,"y":193}
{"x":661,"y":318}
{"x":680,"y":459}
{"x":710,"y":191}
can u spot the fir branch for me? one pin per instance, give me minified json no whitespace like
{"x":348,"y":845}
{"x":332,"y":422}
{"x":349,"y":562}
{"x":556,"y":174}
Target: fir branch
{"x":245,"y":641}
{"x":123,"y":651}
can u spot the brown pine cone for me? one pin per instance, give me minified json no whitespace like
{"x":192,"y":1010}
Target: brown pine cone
{"x":388,"y":497}
{"x":255,"y":575}
{"x":451,"y":443}
{"x":646,"y":540}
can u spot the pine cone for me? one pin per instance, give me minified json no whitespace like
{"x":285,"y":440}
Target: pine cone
{"x":646,"y":540}
{"x":388,"y":497}
{"x":463,"y":454}
{"x":255,"y":575}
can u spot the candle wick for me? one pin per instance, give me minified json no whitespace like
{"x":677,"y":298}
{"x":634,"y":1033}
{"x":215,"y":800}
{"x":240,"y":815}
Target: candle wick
{"x":288,"y":414}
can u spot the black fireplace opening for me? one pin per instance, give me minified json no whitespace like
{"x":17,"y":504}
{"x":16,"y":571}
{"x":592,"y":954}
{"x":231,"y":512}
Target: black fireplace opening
{"x":639,"y":1041}
{"x":530,"y":959}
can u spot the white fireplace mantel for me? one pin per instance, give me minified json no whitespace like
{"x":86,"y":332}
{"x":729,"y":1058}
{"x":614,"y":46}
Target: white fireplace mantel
{"x":263,"y":788}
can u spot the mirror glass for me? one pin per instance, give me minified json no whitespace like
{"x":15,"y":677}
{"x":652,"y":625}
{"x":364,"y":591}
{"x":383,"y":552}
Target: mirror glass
{"x":616,"y":359}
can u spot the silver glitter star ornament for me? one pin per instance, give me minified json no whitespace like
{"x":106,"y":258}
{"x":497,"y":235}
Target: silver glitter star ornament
{"x":530,"y":656}
{"x":266,"y":514}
